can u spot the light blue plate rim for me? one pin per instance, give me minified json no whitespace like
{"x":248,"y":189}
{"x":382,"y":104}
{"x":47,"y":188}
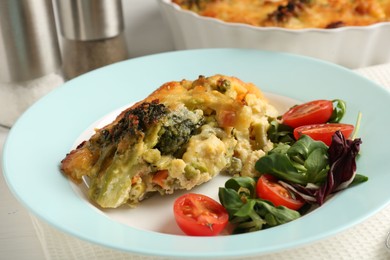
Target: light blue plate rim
{"x":46,"y":132}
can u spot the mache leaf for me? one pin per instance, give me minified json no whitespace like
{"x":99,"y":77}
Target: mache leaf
{"x":241,"y":185}
{"x":303,"y":162}
{"x":280,"y":166}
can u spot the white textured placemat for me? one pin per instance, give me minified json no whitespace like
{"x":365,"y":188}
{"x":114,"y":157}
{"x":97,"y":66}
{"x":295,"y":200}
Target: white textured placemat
{"x":364,"y":241}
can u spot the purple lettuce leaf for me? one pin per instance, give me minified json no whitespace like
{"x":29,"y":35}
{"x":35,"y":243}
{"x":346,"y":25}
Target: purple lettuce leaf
{"x":342,"y":160}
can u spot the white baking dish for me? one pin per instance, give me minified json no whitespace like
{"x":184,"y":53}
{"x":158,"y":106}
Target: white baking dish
{"x":352,"y":47}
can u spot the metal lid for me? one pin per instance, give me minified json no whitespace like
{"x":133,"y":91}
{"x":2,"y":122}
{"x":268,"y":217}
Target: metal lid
{"x":90,"y":19}
{"x":28,"y":40}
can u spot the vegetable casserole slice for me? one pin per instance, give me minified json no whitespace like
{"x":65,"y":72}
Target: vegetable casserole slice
{"x":180,"y":136}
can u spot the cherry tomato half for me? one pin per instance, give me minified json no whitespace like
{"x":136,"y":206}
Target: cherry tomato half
{"x":313,"y":112}
{"x":269,"y":189}
{"x":199,"y":215}
{"x":323,"y":132}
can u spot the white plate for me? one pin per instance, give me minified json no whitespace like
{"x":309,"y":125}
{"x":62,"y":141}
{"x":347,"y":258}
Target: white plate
{"x":50,"y":128}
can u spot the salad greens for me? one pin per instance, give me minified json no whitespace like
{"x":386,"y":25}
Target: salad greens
{"x":308,"y":169}
{"x":249,"y":213}
{"x":342,"y":155}
{"x":305,"y":161}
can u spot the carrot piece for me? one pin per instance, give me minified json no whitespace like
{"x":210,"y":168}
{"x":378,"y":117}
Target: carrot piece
{"x":160,"y":177}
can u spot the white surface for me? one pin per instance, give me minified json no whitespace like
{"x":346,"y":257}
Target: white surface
{"x":18,"y":239}
{"x":146,"y":34}
{"x":17,"y":97}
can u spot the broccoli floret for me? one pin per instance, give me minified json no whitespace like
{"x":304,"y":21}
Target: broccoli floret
{"x":177,"y":131}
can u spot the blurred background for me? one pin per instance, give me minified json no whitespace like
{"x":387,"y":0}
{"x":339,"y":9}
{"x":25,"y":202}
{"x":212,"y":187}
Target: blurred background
{"x":44,"y":43}
{"x":145,"y":30}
